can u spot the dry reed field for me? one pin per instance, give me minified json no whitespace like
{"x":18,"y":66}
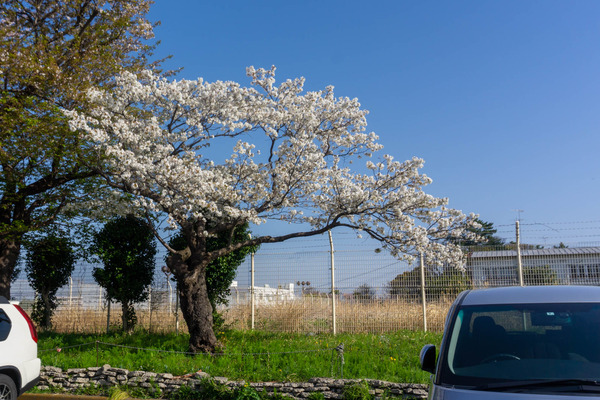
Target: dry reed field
{"x":352,"y":317}
{"x":299,"y":316}
{"x":80,"y":320}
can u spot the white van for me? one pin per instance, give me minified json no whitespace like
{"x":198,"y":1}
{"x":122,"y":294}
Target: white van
{"x":533,"y":343}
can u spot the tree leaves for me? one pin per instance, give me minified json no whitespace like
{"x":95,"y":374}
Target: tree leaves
{"x":126,"y":247}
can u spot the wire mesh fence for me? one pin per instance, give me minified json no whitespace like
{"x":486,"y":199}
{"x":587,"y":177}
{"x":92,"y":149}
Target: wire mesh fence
{"x":295,"y":290}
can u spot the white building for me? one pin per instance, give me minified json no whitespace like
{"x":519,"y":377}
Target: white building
{"x":262,"y":294}
{"x":576,"y":266}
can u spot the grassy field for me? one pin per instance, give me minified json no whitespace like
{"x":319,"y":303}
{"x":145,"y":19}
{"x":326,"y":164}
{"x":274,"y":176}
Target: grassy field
{"x":248,"y":355}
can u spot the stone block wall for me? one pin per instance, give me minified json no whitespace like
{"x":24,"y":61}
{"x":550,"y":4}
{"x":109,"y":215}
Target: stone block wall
{"x":106,"y":376}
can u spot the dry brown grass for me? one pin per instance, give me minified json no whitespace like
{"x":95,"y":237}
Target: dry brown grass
{"x":351,"y":317}
{"x":290,"y":317}
{"x":82,"y":320}
{"x":310,"y":315}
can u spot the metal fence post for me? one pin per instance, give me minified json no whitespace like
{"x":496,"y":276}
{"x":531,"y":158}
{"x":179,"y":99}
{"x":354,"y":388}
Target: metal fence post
{"x":107,"y":316}
{"x":70,"y":292}
{"x":252,"y":290}
{"x":150,"y":308}
{"x":333,"y":325}
{"x":170,"y":296}
{"x":423,"y":299}
{"x":177,"y":309}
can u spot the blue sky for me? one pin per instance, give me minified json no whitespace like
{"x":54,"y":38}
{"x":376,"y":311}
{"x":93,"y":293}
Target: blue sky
{"x":500,"y":98}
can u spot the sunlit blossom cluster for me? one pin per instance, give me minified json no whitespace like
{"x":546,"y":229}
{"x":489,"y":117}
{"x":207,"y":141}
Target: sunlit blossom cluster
{"x":304,"y":157}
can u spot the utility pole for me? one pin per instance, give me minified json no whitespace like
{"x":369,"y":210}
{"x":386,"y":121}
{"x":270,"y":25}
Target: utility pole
{"x":519,"y":263}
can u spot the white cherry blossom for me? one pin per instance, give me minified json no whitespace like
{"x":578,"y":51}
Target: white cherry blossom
{"x":301,"y":157}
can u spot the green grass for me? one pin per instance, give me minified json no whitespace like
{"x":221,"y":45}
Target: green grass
{"x":251,"y":356}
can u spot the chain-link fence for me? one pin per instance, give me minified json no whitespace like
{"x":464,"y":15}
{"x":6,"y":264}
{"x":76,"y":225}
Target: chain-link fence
{"x":295,"y":290}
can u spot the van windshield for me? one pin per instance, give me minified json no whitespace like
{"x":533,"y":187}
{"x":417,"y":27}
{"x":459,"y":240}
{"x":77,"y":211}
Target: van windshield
{"x":521,"y":342}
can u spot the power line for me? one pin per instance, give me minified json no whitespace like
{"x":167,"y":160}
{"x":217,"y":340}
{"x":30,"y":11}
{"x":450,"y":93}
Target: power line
{"x":555,"y":230}
{"x":553,"y":223}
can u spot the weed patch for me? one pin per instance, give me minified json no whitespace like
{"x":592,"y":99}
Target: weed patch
{"x":250,"y":356}
{"x":357,"y":391}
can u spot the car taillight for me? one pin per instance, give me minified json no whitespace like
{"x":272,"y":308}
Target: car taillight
{"x":32,"y":329}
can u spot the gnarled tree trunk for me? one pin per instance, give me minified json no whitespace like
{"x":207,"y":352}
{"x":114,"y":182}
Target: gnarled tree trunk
{"x":9,"y":254}
{"x":194,"y":302}
{"x":197,"y":312}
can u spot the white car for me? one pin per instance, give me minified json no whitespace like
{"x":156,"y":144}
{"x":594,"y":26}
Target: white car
{"x":19,"y":363}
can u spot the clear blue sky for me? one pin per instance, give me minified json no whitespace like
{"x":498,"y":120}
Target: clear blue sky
{"x":501,"y":98}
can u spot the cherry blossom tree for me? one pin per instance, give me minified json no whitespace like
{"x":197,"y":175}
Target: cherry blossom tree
{"x":298,"y":156}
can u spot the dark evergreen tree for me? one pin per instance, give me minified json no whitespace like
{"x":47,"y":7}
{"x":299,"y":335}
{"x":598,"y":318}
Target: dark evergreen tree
{"x":486,"y":236}
{"x":126,"y":247}
{"x":49,"y":263}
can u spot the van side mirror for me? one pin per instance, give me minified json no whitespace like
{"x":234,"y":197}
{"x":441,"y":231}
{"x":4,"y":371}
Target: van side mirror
{"x":427,"y":358}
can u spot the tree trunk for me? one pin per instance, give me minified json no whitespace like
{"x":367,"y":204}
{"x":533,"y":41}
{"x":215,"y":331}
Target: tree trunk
{"x":47,"y":311}
{"x":128,"y":317}
{"x":197,"y":312}
{"x":9,"y":254}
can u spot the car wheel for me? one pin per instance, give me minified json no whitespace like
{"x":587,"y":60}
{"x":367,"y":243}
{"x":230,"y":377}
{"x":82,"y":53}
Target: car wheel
{"x":8,"y":389}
